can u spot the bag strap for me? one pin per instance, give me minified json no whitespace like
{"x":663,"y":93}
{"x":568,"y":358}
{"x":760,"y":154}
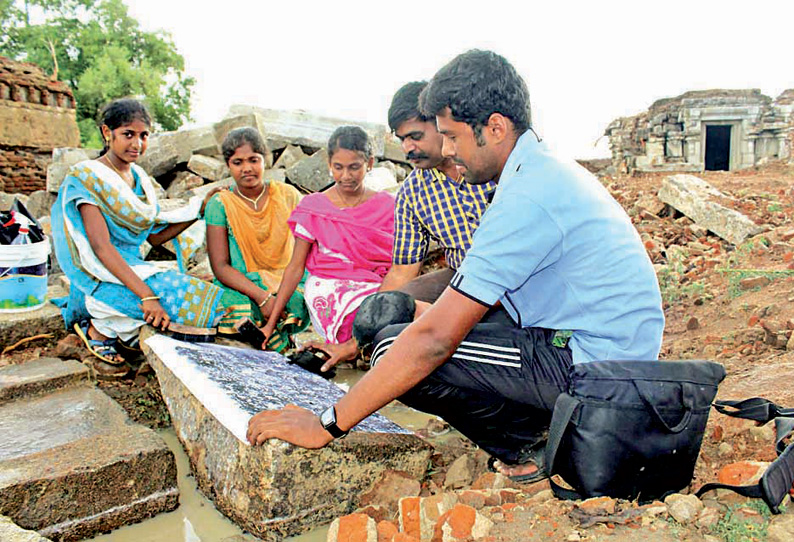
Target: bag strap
{"x":564,"y":409}
{"x":755,"y":408}
{"x":763,"y":410}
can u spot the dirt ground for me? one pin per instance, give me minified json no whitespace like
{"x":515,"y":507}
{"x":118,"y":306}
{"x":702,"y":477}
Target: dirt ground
{"x":731,"y":304}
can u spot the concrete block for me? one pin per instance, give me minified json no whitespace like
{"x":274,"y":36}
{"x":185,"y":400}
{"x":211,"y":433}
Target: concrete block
{"x":701,"y":202}
{"x":15,"y":326}
{"x":199,"y":140}
{"x":7,"y":200}
{"x":74,"y":466}
{"x":291,"y":155}
{"x":207,"y":188}
{"x":310,"y":130}
{"x":312,"y":172}
{"x":381,"y":179}
{"x":160,"y":157}
{"x":248,"y":119}
{"x":40,"y":376}
{"x":183,"y":181}
{"x":278,"y":175}
{"x":62,"y":161}
{"x":40,"y":202}
{"x":274,"y":490}
{"x":208,"y":167}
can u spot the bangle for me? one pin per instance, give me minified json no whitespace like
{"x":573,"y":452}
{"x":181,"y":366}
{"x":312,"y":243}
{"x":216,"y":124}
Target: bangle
{"x":269,"y":295}
{"x":150,"y":298}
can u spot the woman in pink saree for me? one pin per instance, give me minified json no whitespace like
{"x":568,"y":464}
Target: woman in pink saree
{"x":343,"y":238}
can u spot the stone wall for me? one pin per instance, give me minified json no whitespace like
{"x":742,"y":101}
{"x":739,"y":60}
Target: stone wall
{"x":37,"y":115}
{"x":671,"y":135}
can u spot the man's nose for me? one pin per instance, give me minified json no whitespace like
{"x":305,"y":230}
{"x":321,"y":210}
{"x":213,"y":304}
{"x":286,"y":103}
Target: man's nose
{"x":447,"y":148}
{"x":408,"y":146}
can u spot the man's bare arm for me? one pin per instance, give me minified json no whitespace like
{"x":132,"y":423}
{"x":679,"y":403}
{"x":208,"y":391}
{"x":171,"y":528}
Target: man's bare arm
{"x":400,"y":275}
{"x":418,"y":351}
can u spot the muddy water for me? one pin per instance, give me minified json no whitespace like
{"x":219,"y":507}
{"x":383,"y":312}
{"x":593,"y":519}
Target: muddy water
{"x":197,"y":520}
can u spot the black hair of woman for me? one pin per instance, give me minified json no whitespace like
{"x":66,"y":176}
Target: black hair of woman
{"x":121,"y":112}
{"x":352,"y":138}
{"x":241,"y":136}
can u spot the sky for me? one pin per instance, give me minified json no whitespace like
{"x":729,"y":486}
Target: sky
{"x":586,"y":63}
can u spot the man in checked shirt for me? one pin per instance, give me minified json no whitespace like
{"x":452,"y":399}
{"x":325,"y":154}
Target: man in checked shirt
{"x":434,"y":203}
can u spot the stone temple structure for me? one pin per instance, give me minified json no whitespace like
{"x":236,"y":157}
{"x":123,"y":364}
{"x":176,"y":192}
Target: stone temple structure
{"x":705,"y":130}
{"x":37,"y":115}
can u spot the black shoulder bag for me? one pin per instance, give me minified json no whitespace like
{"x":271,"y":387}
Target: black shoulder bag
{"x":778,"y":479}
{"x":630,"y":429}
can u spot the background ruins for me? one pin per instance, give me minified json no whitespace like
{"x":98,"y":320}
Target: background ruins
{"x":708,"y":130}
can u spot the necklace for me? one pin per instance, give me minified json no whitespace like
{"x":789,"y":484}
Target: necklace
{"x":254,"y":201}
{"x":123,"y":177}
{"x":344,"y":203}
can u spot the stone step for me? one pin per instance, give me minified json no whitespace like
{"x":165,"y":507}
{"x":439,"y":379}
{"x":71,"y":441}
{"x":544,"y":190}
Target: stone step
{"x":72,"y":465}
{"x":15,"y":326}
{"x":274,"y":490}
{"x":11,"y":532}
{"x":40,"y":376}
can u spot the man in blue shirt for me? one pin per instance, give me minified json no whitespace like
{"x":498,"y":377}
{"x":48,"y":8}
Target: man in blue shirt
{"x":554,"y":248}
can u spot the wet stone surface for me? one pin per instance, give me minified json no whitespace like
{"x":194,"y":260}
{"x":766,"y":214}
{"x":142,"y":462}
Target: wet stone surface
{"x":71,"y":463}
{"x":40,"y":376}
{"x":274,"y":490}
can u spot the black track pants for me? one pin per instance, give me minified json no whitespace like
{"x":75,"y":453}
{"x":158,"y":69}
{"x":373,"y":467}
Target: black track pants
{"x":498,"y":388}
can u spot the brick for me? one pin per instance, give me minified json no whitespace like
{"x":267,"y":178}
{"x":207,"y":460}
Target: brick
{"x":431,"y":509}
{"x":462,"y":523}
{"x":353,"y":528}
{"x":402,"y":537}
{"x":742,"y":473}
{"x":475,"y":499}
{"x":376,"y":512}
{"x":409,"y":516}
{"x":386,"y":531}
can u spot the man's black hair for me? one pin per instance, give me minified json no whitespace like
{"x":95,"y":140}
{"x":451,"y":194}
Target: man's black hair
{"x":405,"y":105}
{"x":476,"y":84}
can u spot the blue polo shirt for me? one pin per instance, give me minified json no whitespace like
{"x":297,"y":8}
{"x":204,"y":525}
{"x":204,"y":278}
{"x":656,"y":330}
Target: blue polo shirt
{"x":560,"y":253}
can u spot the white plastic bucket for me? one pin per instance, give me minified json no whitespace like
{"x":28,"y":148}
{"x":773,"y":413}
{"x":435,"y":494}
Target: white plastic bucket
{"x":23,"y":276}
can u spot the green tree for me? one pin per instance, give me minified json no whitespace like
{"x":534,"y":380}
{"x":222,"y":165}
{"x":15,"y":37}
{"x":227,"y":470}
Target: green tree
{"x":102,"y":53}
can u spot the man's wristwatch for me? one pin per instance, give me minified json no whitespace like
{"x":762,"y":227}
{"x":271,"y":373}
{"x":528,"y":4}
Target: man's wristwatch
{"x":328,"y":421}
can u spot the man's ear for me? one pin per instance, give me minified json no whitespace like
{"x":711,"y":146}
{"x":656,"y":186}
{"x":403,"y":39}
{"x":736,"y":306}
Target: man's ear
{"x":498,"y":127}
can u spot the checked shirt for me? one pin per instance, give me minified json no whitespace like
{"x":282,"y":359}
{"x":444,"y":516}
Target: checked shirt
{"x":431,"y":205}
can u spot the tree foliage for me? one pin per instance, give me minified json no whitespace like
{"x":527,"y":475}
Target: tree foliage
{"x":102,"y":53}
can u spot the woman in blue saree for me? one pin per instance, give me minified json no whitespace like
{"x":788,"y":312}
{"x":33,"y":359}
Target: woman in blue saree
{"x":106,"y":209}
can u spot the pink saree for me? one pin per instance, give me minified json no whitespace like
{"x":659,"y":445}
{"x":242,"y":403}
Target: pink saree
{"x":350,"y":255}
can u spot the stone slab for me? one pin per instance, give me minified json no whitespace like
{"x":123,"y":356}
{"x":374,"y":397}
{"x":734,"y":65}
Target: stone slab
{"x":63,"y":159}
{"x":701,"y":202}
{"x":274,"y":490}
{"x":72,"y":465}
{"x":15,"y":326}
{"x":312,"y":172}
{"x":311,"y":130}
{"x":40,"y":376}
{"x":11,"y":532}
{"x":208,"y":167}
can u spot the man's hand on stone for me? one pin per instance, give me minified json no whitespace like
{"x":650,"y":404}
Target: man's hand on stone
{"x":291,"y":424}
